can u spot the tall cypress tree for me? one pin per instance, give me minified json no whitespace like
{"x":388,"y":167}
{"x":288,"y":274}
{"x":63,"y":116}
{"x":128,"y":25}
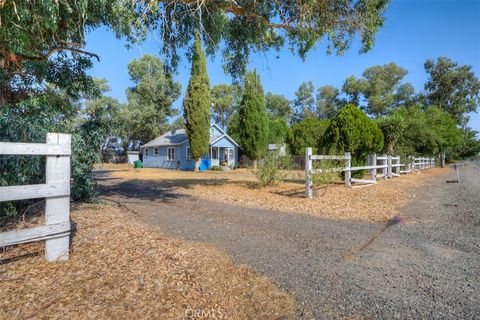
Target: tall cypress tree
{"x":196,"y":105}
{"x":253,"y":119}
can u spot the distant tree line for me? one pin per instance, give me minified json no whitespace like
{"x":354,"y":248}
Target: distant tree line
{"x":430,"y":122}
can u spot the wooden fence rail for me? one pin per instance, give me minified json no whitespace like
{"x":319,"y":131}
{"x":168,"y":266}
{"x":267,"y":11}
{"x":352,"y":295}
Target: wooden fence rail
{"x":389,"y":167}
{"x":56,"y":192}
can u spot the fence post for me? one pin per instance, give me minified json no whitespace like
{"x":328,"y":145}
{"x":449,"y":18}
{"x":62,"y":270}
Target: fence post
{"x":442,"y":159}
{"x":308,"y":173}
{"x":372,"y":161}
{"x":397,"y":168}
{"x":57,"y":209}
{"x":348,"y":173}
{"x":389,"y":166}
{"x":384,"y":169}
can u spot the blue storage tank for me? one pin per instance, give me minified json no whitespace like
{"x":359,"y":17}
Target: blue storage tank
{"x":204,"y":164}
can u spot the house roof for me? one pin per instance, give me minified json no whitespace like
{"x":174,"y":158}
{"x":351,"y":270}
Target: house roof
{"x":170,"y":138}
{"x":214,"y":139}
{"x":179,"y":136}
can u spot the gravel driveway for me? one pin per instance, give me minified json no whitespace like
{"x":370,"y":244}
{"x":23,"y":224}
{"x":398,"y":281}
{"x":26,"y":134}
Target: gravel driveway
{"x":425,"y":264}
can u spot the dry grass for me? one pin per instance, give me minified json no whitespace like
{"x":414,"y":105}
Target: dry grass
{"x":377,"y":203}
{"x":121,"y":270}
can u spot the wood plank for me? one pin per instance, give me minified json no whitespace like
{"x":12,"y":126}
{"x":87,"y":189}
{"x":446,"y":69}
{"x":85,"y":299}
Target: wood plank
{"x":34,"y":234}
{"x":363,"y":181}
{"x":34,"y":191}
{"x":16,"y":148}
{"x":328,"y":157}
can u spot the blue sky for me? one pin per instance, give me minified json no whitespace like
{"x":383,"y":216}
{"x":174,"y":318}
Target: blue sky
{"x":414,"y":31}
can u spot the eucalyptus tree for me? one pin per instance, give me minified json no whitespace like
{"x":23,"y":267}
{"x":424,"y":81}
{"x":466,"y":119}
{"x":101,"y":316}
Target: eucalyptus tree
{"x":150,"y":99}
{"x":453,"y":88}
{"x":225,"y":99}
{"x":45,"y":40}
{"x":328,"y":101}
{"x":278,"y":107}
{"x":304,"y":102}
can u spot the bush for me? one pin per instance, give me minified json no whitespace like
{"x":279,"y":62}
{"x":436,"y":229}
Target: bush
{"x":271,"y":171}
{"x":216,"y":168}
{"x":351,"y":130}
{"x":277,"y":131}
{"x":304,"y":134}
{"x":30,"y":123}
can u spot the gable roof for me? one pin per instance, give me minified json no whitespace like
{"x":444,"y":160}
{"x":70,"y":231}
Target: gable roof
{"x":214,"y":139}
{"x":170,"y":138}
{"x":179,"y":136}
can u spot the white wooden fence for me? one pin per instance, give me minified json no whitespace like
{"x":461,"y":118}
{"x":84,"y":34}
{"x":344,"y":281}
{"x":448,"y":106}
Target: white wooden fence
{"x":389,"y":167}
{"x":56,"y":190}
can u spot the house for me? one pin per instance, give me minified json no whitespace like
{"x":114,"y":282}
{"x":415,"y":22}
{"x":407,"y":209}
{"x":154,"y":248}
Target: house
{"x":172,"y":151}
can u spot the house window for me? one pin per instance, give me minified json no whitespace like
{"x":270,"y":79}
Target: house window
{"x":171,"y":153}
{"x":155,"y":151}
{"x":230,"y":154}
{"x":189,"y":154}
{"x":146,"y":152}
{"x":214,"y":153}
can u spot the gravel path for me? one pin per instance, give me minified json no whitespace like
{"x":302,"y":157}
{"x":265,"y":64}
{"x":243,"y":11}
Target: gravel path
{"x":426,"y":264}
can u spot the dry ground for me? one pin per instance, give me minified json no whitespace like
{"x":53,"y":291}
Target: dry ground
{"x":423,"y":264}
{"x":119,"y":269}
{"x":239,"y":187}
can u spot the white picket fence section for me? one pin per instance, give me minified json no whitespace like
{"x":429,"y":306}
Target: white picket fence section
{"x":56,"y":192}
{"x":389,"y":167}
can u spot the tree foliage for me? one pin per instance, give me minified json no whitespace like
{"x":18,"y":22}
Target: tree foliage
{"x":304,"y":134}
{"x":381,"y":88}
{"x":31,"y":120}
{"x":392,"y":127}
{"x":352,"y":131}
{"x":428,"y":132}
{"x":277,"y":131}
{"x":196,"y":105}
{"x":149,"y":101}
{"x":278,"y":107}
{"x":253,"y":118}
{"x":304,"y":102}
{"x":453,"y":88}
{"x":225,"y":99}
{"x":328,"y":101}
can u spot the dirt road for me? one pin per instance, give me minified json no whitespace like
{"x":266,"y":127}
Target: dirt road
{"x":425,"y":264}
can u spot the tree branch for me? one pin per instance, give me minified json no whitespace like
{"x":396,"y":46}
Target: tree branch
{"x":54,"y":50}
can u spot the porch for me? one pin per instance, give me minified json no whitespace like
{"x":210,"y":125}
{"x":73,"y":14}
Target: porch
{"x":222,"y":156}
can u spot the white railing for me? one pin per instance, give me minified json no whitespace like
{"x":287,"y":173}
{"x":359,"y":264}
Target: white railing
{"x":56,"y":192}
{"x":389,"y":167}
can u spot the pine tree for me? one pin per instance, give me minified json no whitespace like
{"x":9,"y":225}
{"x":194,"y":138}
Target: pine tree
{"x":253,"y":119}
{"x":196,"y":105}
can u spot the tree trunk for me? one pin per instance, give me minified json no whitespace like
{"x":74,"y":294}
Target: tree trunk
{"x":254,"y":164}
{"x":197,"y":165}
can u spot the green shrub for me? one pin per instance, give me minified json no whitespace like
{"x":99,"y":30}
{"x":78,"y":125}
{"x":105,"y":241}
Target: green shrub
{"x":272,"y":169}
{"x":216,"y":168}
{"x":351,"y":130}
{"x":277,"y":131}
{"x":30,"y":123}
{"x":304,"y":134}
